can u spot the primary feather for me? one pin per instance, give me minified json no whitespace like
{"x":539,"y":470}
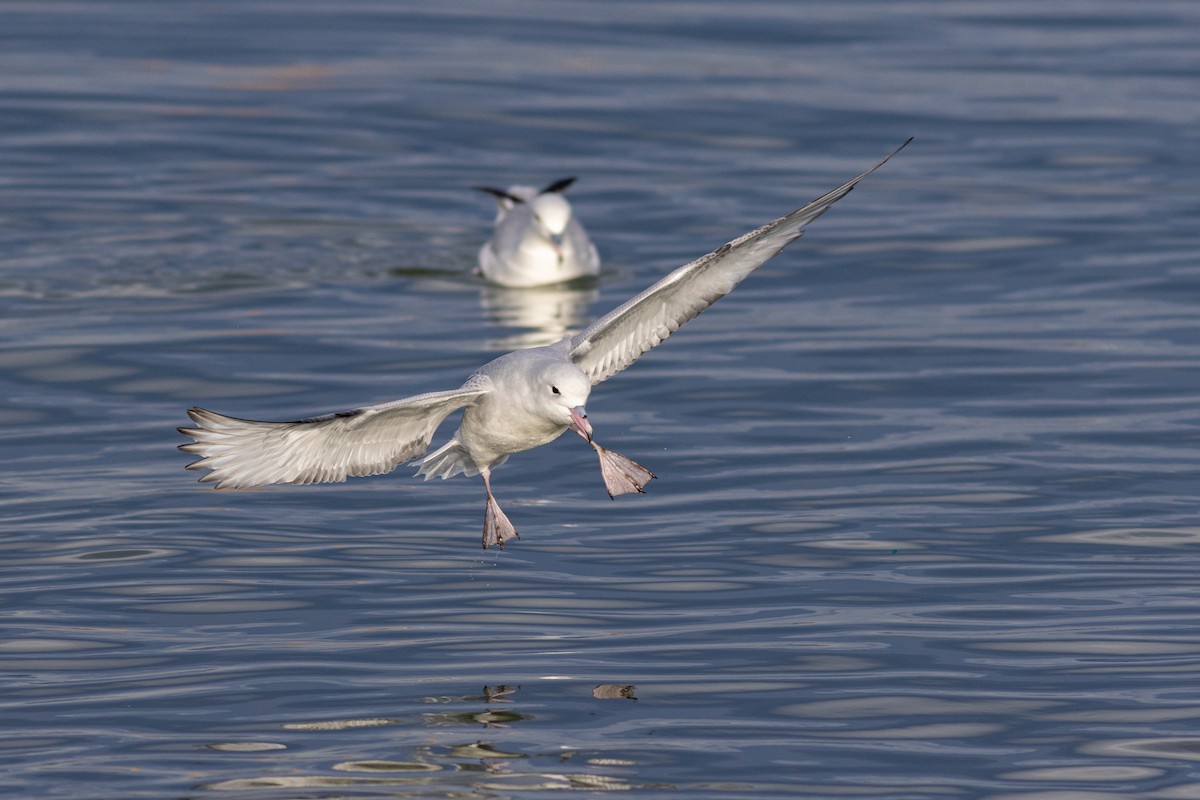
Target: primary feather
{"x":616,"y":340}
{"x":366,"y":441}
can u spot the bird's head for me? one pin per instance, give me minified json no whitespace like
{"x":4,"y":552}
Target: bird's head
{"x":552,"y":213}
{"x":564,"y":390}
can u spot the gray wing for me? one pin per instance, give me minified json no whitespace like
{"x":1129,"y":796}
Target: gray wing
{"x":615,"y":341}
{"x":367,"y":441}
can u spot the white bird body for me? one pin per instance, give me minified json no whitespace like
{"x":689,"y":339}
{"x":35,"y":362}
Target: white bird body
{"x":514,"y":403}
{"x":522,"y":410}
{"x":537,"y":240}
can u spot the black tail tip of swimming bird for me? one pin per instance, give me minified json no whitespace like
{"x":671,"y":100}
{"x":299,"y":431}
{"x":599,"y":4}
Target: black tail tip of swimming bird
{"x":559,"y":185}
{"x":499,"y":194}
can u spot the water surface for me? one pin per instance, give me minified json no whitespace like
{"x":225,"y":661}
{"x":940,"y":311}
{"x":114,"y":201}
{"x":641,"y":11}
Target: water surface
{"x":925,"y":523}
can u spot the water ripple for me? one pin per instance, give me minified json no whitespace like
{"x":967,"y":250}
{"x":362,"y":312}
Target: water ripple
{"x":925,"y":518}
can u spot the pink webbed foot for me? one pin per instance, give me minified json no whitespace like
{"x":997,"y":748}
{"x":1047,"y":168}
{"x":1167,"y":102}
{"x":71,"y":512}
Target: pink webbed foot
{"x":496,"y":528}
{"x":621,"y":475}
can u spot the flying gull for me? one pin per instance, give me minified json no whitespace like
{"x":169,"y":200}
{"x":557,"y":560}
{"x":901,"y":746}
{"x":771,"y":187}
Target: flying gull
{"x":537,"y":241}
{"x":519,"y":401}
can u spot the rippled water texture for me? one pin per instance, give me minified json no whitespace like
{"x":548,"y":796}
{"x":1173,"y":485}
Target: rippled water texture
{"x":926,"y":518}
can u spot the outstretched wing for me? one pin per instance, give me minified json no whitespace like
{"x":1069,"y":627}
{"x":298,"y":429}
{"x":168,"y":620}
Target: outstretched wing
{"x":367,"y":441}
{"x":616,"y":340}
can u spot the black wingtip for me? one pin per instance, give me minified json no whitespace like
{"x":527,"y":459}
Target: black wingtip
{"x":559,"y":185}
{"x":907,"y":142}
{"x":499,"y":194}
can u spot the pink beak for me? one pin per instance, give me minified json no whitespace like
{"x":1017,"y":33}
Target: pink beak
{"x":579,"y":422}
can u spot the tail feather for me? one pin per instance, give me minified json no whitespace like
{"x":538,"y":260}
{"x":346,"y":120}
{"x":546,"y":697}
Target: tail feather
{"x":447,"y":461}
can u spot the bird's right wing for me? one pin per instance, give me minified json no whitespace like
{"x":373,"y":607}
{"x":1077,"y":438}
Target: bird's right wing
{"x":367,"y":441}
{"x":616,"y":340}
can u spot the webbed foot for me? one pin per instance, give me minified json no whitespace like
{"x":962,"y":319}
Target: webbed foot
{"x":496,"y":528}
{"x":621,"y":475}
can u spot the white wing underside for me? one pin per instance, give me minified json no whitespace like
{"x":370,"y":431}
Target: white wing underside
{"x":617,"y":339}
{"x":367,"y":441}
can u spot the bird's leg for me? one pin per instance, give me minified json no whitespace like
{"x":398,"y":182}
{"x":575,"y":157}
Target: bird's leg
{"x":496,"y":528}
{"x":621,"y":475}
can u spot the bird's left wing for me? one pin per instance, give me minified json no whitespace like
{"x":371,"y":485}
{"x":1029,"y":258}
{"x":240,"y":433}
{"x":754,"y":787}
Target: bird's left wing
{"x":366,"y":441}
{"x":617,"y":339}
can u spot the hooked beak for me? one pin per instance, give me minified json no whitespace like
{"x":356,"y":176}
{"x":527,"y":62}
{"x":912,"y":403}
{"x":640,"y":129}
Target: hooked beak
{"x":580,"y":424}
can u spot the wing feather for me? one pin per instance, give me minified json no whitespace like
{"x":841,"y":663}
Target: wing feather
{"x":366,"y":441}
{"x":619,"y":338}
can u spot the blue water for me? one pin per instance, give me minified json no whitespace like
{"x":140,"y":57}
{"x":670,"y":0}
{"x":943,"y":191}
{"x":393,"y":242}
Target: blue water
{"x":926,"y":522}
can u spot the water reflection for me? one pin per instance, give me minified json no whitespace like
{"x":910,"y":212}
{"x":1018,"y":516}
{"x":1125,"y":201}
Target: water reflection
{"x":612,"y":691}
{"x":342,"y":724}
{"x":539,"y":315}
{"x":488,"y":718}
{"x":445,"y":768}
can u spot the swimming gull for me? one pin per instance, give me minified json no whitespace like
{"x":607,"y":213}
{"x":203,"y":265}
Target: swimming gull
{"x":538,"y":240}
{"x":519,"y":401}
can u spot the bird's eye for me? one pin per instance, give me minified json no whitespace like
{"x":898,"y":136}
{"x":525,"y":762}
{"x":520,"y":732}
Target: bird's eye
{"x":555,"y":390}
